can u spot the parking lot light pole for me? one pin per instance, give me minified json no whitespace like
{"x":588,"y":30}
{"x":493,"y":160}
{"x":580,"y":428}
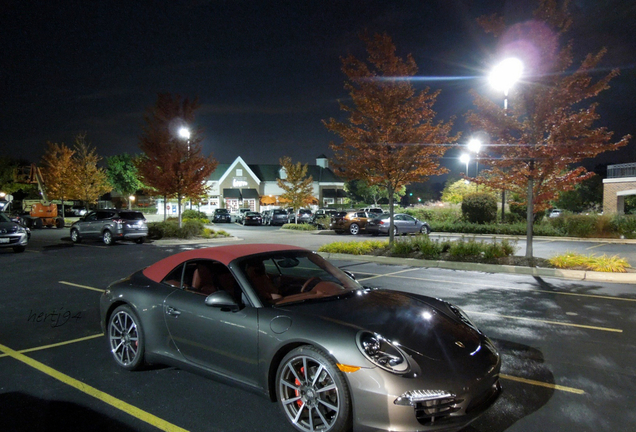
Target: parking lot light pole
{"x":502,"y":78}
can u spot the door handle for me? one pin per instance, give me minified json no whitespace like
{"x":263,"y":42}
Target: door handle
{"x":172,"y":311}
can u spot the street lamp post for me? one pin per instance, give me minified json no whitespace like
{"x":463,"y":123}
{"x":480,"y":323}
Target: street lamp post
{"x":474,"y":145}
{"x":502,"y":78}
{"x":465,"y":158}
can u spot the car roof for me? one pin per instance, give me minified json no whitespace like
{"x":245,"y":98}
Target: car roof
{"x":224,"y":254}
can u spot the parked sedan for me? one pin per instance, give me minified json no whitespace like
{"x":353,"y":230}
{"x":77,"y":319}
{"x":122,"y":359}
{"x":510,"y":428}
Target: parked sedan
{"x":402,"y":224}
{"x":284,"y":322}
{"x":110,"y":225}
{"x":352,"y":222}
{"x":252,"y":218}
{"x":12,"y":234}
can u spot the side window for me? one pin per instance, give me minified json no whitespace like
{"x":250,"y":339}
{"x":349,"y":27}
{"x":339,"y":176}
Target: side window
{"x":174,"y":278}
{"x":91,"y":217}
{"x":361,"y":215}
{"x":400,"y":217}
{"x":409,"y":218}
{"x":204,"y":277}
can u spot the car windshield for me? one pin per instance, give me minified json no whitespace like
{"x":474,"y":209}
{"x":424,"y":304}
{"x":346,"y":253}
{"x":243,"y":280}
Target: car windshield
{"x":252,"y":214}
{"x":280,"y":212}
{"x":221,"y":211}
{"x":4,"y":218}
{"x":291,"y":277}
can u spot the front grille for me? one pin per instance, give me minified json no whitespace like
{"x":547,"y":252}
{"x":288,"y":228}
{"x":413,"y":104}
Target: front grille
{"x":436,"y":411}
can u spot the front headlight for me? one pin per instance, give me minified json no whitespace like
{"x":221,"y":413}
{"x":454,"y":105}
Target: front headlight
{"x":383,"y":353}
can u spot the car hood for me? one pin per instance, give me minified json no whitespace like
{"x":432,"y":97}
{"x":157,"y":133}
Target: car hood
{"x":9,"y":227}
{"x":424,"y":327}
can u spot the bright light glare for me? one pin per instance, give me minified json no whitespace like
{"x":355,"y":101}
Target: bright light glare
{"x":474,"y":145}
{"x":506,"y":73}
{"x":464,"y":158}
{"x":184,"y":132}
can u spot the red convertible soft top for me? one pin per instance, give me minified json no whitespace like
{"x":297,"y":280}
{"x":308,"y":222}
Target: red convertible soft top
{"x":223,"y":254}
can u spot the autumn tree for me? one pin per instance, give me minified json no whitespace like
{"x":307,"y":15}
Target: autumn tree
{"x":123,"y":175}
{"x":91,"y":181}
{"x":297,"y":186}
{"x":172,"y":162}
{"x":548,"y":127}
{"x":390,"y":138}
{"x":455,"y":190}
{"x":59,"y":173}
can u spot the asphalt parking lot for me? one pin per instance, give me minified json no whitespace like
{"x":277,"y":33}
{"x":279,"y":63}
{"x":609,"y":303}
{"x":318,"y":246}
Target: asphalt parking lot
{"x":568,"y":349}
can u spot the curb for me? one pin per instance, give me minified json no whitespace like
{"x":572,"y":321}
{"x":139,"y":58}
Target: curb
{"x":582,"y":275}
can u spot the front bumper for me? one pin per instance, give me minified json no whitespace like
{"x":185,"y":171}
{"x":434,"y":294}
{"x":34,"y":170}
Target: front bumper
{"x":16,"y":239}
{"x":376,"y":407}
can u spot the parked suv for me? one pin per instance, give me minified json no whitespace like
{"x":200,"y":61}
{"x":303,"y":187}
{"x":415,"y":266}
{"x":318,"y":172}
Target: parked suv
{"x":351,"y":222}
{"x":303,"y":216}
{"x":110,"y":225}
{"x":222,"y":215}
{"x":279,"y":217}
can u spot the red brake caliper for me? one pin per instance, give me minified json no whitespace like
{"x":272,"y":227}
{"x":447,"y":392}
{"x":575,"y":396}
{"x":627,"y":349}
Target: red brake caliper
{"x":299,"y":402}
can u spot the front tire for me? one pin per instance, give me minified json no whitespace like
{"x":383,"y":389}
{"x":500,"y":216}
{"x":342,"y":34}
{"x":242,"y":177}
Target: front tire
{"x":312,"y":392}
{"x":125,"y":338}
{"x":75,"y":236}
{"x":354,"y":229}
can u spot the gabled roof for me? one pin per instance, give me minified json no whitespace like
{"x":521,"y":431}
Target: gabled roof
{"x":270,"y":172}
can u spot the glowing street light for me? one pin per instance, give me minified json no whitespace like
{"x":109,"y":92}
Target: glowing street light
{"x":505,"y":75}
{"x":474,"y":145}
{"x":184,"y":133}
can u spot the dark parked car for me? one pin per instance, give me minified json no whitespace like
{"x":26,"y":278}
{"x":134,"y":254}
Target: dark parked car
{"x":402,"y":224}
{"x":286,"y":323}
{"x":12,"y":234}
{"x":252,"y":218}
{"x":279,"y":217}
{"x":110,"y":225}
{"x":351,"y":222}
{"x":221,"y":216}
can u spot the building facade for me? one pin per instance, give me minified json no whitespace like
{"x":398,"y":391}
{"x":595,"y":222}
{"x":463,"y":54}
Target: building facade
{"x":241,"y":185}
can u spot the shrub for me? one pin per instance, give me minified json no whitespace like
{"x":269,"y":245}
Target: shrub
{"x":355,"y":247}
{"x":479,"y":207}
{"x":624,"y":225}
{"x":194,"y":214}
{"x":299,"y":227}
{"x":170,"y":229}
{"x":590,"y":262}
{"x":463,"y":248}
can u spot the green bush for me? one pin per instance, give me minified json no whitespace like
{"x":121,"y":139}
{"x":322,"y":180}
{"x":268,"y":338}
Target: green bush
{"x":624,"y":225}
{"x":463,"y":248}
{"x":194,"y":214}
{"x":435,"y":214}
{"x":170,"y":229}
{"x":299,"y":227}
{"x":355,"y":247}
{"x":479,"y":208}
{"x":427,"y":248}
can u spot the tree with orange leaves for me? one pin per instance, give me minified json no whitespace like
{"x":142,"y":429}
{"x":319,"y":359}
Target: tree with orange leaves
{"x":390,"y":138}
{"x":548,"y":127}
{"x":172,"y":162}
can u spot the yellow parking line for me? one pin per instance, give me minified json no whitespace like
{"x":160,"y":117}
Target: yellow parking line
{"x":56,"y":344}
{"x":81,"y":286}
{"x":92,"y":391}
{"x":595,"y":246}
{"x":547,"y":322}
{"x":543,"y":384}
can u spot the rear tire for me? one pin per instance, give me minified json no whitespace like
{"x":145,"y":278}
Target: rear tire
{"x":107,"y":237}
{"x":59,"y":222}
{"x":140,"y":240}
{"x":354,"y":229}
{"x":37,"y":223}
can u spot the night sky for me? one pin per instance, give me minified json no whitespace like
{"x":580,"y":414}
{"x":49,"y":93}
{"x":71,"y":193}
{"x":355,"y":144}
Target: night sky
{"x":266,"y":72}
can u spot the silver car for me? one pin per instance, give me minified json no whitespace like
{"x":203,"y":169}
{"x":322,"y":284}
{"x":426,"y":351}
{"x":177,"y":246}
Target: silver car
{"x":288,"y":324}
{"x":110,"y":225}
{"x":12,"y":234}
{"x":402,"y":224}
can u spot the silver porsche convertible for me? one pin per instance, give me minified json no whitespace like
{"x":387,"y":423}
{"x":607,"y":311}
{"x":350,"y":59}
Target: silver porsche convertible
{"x":281,"y":320}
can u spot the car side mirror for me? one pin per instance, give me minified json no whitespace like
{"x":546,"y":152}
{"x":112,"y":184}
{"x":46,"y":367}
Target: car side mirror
{"x":222,"y":300}
{"x":351,"y":275}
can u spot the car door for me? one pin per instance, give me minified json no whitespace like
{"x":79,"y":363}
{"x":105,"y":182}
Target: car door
{"x":409,"y":223}
{"x":87,"y":225}
{"x":222,"y":340}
